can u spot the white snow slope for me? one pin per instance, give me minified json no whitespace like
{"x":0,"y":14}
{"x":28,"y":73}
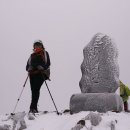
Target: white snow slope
{"x":52,"y":121}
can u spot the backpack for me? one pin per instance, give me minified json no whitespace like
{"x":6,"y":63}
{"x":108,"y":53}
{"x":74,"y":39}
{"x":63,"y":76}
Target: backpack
{"x":36,"y":59}
{"x":47,"y":74}
{"x":47,"y":71}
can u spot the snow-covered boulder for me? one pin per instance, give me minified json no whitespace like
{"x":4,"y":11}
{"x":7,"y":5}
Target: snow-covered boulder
{"x":95,"y":118}
{"x":18,"y":121}
{"x":5,"y":127}
{"x":100,"y":71}
{"x":101,"y":102}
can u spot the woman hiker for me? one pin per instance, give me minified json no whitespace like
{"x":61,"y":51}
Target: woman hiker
{"x":38,"y":67}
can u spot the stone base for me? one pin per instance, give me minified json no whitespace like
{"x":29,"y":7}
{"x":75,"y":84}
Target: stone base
{"x":101,"y":102}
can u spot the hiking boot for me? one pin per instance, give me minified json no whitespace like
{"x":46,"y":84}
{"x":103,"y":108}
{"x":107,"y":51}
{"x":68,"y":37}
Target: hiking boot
{"x":33,"y":110}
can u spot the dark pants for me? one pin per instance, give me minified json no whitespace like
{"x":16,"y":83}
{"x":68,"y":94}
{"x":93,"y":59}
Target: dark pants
{"x":126,"y":106}
{"x":36,"y":82}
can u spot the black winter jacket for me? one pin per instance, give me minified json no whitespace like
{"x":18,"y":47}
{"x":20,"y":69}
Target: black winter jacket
{"x":36,"y":59}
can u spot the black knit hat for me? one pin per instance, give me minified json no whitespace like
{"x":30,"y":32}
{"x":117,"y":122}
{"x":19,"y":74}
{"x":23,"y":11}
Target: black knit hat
{"x":38,"y":43}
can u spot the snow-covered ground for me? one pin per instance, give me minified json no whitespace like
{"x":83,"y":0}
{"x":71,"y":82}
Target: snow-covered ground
{"x":52,"y":121}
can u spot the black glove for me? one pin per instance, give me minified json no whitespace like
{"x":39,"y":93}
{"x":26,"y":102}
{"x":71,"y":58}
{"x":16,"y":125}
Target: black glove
{"x":30,"y":68}
{"x":39,"y":67}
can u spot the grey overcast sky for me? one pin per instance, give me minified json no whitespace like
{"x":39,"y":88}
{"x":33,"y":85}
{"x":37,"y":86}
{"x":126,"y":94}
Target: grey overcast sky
{"x":65,"y":27}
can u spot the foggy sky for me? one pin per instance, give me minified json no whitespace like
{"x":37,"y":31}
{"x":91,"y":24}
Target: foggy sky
{"x":65,"y":27}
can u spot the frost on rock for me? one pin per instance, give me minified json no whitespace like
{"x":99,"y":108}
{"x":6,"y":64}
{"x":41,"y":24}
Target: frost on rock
{"x":101,"y":102}
{"x":5,"y":127}
{"x":100,"y":77}
{"x":77,"y":127}
{"x":95,"y":118}
{"x":100,"y":71}
{"x":112,"y":125}
{"x":18,"y":121}
{"x":80,"y":124}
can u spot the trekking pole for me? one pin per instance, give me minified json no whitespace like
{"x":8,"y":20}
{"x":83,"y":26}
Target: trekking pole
{"x":52,"y":98}
{"x":20,"y":95}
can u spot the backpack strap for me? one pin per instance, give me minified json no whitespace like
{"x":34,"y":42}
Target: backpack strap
{"x":29,"y":61}
{"x":45,"y":56}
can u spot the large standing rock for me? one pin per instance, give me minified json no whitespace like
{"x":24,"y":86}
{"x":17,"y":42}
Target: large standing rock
{"x":100,"y":71}
{"x":101,"y":102}
{"x":100,"y":78}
